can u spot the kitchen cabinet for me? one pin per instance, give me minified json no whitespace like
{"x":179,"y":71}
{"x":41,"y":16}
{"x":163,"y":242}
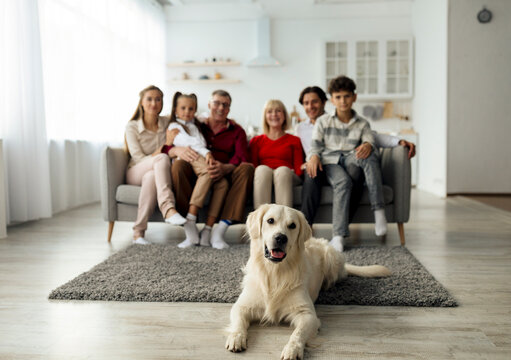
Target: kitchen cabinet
{"x":382,"y":68}
{"x":336,"y":61}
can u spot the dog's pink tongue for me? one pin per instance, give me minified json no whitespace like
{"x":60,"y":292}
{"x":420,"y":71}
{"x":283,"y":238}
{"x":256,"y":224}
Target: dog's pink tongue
{"x":278,"y":254}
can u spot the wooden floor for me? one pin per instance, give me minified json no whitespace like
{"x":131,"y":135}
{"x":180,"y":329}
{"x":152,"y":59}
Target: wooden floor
{"x":465,"y":244}
{"x":499,"y":201}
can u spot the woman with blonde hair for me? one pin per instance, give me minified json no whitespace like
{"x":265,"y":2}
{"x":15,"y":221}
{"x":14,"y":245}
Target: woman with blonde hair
{"x":148,"y":142}
{"x":277,"y":156}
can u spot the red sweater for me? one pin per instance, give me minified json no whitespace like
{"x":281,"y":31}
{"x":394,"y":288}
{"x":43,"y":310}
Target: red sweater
{"x":285,"y":151}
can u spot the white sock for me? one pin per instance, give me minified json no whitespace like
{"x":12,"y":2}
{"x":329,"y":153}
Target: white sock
{"x":191,"y":231}
{"x":184,"y":244}
{"x":175,"y":219}
{"x":205,"y":234}
{"x":141,"y":241}
{"x":380,"y":222}
{"x":337,"y":242}
{"x":217,"y":235}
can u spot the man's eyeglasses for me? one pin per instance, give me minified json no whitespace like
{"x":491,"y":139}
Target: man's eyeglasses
{"x":217,"y":103}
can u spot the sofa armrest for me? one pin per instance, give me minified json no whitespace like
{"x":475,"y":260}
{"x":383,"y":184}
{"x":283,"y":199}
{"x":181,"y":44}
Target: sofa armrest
{"x":114,"y":162}
{"x":396,"y":172}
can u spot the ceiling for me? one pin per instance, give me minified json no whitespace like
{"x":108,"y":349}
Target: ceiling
{"x":202,"y":2}
{"x":224,"y":2}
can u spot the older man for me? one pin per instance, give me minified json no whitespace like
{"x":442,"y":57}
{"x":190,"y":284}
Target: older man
{"x":228,"y":144}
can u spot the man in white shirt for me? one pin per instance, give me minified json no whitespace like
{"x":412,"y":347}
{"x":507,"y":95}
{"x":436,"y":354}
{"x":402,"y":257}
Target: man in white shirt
{"x":313,"y":99}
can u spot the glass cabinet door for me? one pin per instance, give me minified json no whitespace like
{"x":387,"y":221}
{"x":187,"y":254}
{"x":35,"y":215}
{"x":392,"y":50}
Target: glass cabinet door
{"x":381,"y":67}
{"x":367,"y":67}
{"x":398,"y":72}
{"x":336,"y":60}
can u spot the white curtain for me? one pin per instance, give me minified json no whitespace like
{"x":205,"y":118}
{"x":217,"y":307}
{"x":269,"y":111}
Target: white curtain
{"x":96,"y":57}
{"x":22,"y":113}
{"x":74,"y":173}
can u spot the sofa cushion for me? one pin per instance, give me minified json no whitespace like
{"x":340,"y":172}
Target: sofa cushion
{"x":128,"y":194}
{"x":327,"y":195}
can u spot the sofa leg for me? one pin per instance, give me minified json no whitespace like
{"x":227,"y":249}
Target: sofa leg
{"x":401,"y":229}
{"x":110,"y":230}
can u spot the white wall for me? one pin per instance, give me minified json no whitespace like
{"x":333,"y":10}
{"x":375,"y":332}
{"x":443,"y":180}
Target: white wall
{"x":462,"y":74}
{"x":298,"y":32}
{"x":430,"y":100}
{"x":479,"y":108}
{"x":3,"y":195}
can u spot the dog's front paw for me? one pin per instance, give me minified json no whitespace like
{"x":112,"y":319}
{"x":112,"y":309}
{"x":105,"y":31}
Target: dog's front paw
{"x":292,"y":351}
{"x":236,"y":342}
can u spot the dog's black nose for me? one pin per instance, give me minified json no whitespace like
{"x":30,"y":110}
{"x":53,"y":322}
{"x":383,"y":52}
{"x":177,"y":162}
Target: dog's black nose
{"x":281,"y":239}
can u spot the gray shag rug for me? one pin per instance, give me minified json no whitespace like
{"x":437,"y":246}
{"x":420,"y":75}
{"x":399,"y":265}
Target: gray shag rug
{"x":199,"y":274}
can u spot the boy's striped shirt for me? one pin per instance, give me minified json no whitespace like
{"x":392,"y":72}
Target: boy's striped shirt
{"x":331,"y":137}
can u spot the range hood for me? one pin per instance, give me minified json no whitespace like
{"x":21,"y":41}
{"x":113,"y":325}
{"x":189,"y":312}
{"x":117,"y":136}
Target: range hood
{"x":263,"y":57}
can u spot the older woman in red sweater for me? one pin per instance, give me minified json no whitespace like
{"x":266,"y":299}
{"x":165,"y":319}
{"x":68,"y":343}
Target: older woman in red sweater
{"x":277,"y":156}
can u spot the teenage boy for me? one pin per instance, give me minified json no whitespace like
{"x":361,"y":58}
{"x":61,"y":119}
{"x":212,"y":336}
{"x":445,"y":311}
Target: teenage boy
{"x":342,"y":144}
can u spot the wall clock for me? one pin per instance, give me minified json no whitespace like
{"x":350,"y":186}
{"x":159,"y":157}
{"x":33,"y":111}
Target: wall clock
{"x":484,"y":16}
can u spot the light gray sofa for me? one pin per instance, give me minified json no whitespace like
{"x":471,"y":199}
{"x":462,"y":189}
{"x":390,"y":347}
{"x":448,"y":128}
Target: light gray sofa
{"x":119,"y":201}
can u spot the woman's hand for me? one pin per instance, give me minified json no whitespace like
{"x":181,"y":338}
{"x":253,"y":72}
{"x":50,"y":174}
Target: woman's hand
{"x":185,"y":153}
{"x":363,"y":151}
{"x":171,"y":135}
{"x":313,"y":165}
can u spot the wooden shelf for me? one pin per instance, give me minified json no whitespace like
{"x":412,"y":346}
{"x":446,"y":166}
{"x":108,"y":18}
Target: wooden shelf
{"x":206,"y":81}
{"x":205,"y":64}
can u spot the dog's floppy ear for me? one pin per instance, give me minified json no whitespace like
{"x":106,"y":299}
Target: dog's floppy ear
{"x":255,"y":220}
{"x":305,"y":229}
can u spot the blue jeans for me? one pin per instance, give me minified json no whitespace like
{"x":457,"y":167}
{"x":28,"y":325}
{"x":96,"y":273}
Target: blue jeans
{"x":340,"y":176}
{"x":311,"y":193}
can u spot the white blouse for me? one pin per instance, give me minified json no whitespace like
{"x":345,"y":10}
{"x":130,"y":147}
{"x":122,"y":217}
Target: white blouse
{"x":195,"y":139}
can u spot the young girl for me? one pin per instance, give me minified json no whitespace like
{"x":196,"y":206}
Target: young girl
{"x":183,"y":119}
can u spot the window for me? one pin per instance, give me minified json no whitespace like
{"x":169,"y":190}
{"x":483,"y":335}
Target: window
{"x":97,"y":56}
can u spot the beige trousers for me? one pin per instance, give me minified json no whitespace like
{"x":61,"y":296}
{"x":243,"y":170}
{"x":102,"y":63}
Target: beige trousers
{"x":283,"y":179}
{"x":240,"y":184}
{"x":153,"y":174}
{"x":202,"y":186}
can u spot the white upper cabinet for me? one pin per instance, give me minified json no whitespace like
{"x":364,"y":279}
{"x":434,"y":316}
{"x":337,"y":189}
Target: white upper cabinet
{"x":366,"y":62}
{"x":398,"y":67}
{"x":382,"y":68}
{"x":336,"y":60}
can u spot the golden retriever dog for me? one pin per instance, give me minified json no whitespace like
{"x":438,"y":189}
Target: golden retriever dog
{"x":283,"y":276}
